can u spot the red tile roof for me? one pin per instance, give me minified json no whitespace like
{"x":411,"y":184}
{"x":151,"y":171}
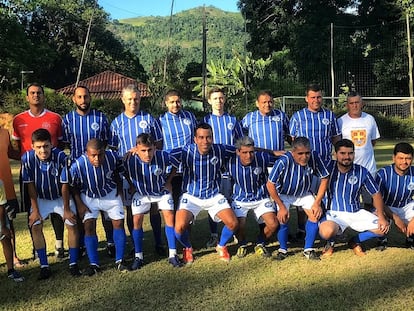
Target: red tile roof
{"x":106,"y":85}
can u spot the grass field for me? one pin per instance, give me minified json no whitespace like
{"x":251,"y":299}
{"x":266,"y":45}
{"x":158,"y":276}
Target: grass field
{"x":378,"y":281}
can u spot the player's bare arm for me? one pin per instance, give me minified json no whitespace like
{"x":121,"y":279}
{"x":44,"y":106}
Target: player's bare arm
{"x":283,"y":212}
{"x":383,"y":224}
{"x":34,"y":214}
{"x":67,"y":213}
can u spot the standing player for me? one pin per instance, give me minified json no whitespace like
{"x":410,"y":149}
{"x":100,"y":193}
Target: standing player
{"x":346,"y":181}
{"x":226,"y":130}
{"x":201,"y":163}
{"x":290,"y":184}
{"x":5,"y":238}
{"x":124,"y":131}
{"x":267,"y":127}
{"x":177,"y":127}
{"x":396,"y":184}
{"x":79,"y":126}
{"x":45,"y":171}
{"x":97,"y":187}
{"x":320,"y":126}
{"x":147,"y":173}
{"x":24,"y":124}
{"x":249,"y":172}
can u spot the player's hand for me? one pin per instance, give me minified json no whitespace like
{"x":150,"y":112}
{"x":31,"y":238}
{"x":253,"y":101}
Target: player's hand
{"x":316,"y":211}
{"x":278,"y":153}
{"x":410,"y":228}
{"x":400,"y":224}
{"x":82,"y":210}
{"x":34,"y":216}
{"x":168,"y":187}
{"x":383,"y":225}
{"x":70,"y":216}
{"x":283,"y":214}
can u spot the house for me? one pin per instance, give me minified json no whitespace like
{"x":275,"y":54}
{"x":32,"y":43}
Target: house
{"x":106,"y":85}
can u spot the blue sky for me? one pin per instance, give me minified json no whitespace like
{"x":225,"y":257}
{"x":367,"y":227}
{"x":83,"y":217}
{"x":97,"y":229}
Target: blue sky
{"x":119,"y":9}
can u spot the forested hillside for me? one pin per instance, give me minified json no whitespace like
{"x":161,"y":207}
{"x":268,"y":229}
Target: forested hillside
{"x":148,"y":37}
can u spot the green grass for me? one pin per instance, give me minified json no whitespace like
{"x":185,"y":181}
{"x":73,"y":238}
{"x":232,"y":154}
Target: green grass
{"x":378,"y":281}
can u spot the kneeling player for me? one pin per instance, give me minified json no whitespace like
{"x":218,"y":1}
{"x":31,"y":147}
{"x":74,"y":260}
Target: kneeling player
{"x":96,"y":175}
{"x":45,"y":171}
{"x":147,"y":172}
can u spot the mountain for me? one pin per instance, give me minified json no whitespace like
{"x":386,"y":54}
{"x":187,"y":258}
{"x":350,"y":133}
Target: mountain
{"x":149,"y":36}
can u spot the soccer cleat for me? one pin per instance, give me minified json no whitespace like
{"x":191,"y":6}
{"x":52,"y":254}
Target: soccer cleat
{"x":311,"y":255}
{"x":280,"y":256}
{"x":110,"y":250}
{"x":241,"y":252}
{"x":121,"y":267}
{"x":175,"y":262}
{"x":328,"y":249}
{"x":381,"y":244}
{"x":356,"y":248}
{"x":261,"y":250}
{"x":91,"y":270}
{"x":212,"y":241}
{"x":188,"y":258}
{"x":45,"y":273}
{"x":137,"y":264}
{"x":15,"y":275}
{"x":74,"y":270}
{"x":223,"y":253}
{"x":60,"y":253}
{"x":160,"y":250}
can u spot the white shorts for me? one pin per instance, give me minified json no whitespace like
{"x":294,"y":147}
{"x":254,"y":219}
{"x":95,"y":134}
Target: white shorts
{"x":212,"y":205}
{"x":359,"y":221}
{"x":141,"y":204}
{"x":241,"y":209}
{"x":406,"y":213}
{"x":306,"y":201}
{"x":127,"y":197}
{"x":111,"y":204}
{"x":46,"y":207}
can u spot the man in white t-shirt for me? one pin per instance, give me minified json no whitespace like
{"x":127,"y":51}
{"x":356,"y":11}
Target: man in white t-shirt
{"x":361,"y":128}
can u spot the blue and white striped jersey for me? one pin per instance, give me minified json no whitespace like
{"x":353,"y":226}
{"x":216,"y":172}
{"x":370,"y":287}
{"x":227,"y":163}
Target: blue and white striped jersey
{"x":48,"y":176}
{"x":177,"y":129}
{"x":201,"y":173}
{"x":268,"y":132}
{"x":124,"y":130}
{"x":319,"y":127}
{"x":344,"y":188}
{"x":95,"y":182}
{"x":148,"y":178}
{"x":78,"y":130}
{"x":226,"y":128}
{"x":293,"y":179}
{"x":396,"y":190}
{"x":250,"y":181}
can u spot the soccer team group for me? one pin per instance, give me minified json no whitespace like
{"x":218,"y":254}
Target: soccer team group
{"x":180,"y":166}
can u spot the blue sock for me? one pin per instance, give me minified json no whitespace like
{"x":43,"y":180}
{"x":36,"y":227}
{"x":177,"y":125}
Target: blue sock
{"x":137,"y":236}
{"x":226,"y":234}
{"x":283,"y":236}
{"x":120,"y":240}
{"x":91,"y":244}
{"x":73,"y":255}
{"x":155,"y":220}
{"x":42,"y":256}
{"x":169,"y":232}
{"x":311,"y":233}
{"x":183,"y":238}
{"x":366,"y":235}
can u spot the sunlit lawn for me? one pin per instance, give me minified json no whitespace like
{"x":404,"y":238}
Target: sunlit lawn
{"x":378,"y":281}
